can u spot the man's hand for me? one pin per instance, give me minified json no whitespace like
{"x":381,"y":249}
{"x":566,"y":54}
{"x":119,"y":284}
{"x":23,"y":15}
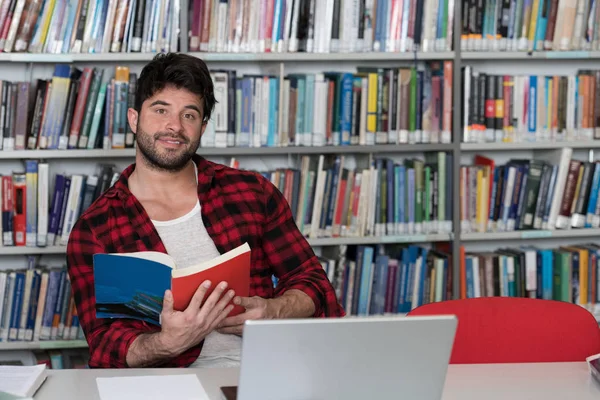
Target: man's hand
{"x":184,"y":329}
{"x":256,"y":308}
{"x":292,"y":304}
{"x":181,"y":330}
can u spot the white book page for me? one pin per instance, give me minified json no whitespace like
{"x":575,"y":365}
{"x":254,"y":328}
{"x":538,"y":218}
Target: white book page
{"x":167,"y":387}
{"x":21,"y":380}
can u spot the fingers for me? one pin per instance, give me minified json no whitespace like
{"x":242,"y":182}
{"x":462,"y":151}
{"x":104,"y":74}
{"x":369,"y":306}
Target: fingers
{"x":196,"y":301}
{"x":212,"y":300}
{"x":221,"y":305}
{"x":246,"y":302}
{"x":232,"y":330}
{"x":167,"y":306}
{"x":220,"y":317}
{"x":235,"y":320}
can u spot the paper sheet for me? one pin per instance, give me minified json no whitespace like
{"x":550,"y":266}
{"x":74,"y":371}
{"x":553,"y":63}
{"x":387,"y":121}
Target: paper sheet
{"x":19,"y":380}
{"x":156,"y":387}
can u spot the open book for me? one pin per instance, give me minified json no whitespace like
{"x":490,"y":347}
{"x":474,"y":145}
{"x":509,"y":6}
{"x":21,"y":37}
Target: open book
{"x":19,"y":382}
{"x":132,"y":285}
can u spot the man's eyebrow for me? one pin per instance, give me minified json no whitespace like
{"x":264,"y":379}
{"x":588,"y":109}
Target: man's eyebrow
{"x":193,"y":107}
{"x":159,"y":103}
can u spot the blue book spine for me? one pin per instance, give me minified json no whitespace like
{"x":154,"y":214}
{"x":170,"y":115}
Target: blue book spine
{"x":402,"y":197}
{"x":532,"y":113}
{"x":57,"y":201}
{"x":411,"y":199}
{"x":332,"y":196}
{"x":414,"y":255}
{"x":51,"y":298}
{"x":17,"y":304}
{"x":548,"y":204}
{"x":378,"y":27}
{"x":309,"y":105}
{"x":247,"y":101}
{"x":504,"y":273}
{"x":277,"y":13}
{"x":547,"y":266}
{"x":469,"y":273}
{"x":422,"y":277}
{"x":591,"y":210}
{"x":347,"y":82}
{"x":542,"y":24}
{"x":493,"y":194}
{"x":403,"y":281}
{"x":273,"y":111}
{"x":301,"y":106}
{"x":33,"y":303}
{"x":366,"y":281}
{"x":397,"y":198}
{"x":390,"y":197}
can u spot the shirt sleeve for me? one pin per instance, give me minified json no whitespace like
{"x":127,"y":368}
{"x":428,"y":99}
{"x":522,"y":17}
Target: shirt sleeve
{"x":108,"y":339}
{"x":290,"y":255}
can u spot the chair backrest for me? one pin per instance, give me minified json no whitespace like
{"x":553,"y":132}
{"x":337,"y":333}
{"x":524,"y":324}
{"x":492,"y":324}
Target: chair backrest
{"x":518,"y":330}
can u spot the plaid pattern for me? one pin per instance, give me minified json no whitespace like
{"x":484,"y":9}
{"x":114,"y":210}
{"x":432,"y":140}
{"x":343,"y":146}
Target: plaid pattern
{"x":237,"y":207}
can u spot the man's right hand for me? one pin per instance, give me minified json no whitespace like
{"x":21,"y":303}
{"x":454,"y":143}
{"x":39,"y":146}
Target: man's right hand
{"x":184,"y":329}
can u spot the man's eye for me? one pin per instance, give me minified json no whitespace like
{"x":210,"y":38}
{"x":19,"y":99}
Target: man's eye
{"x":189,"y":116}
{"x":160,"y":111}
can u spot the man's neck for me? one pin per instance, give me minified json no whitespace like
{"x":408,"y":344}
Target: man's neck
{"x":151,"y":182}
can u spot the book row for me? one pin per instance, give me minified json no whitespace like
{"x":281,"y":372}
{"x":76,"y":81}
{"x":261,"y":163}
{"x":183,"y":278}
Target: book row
{"x":527,"y":108}
{"x":552,"y":191}
{"x":530,"y":25}
{"x":36,"y":304}
{"x":371,"y":106}
{"x":35,"y":214}
{"x":566,"y":273}
{"x":377,"y":280}
{"x":320,"y":26}
{"x":338,"y":199}
{"x":89,"y":26}
{"x":75,"y":109}
{"x":53,"y":359}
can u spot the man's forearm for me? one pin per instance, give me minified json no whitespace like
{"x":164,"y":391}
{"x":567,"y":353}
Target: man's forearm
{"x":148,"y":349}
{"x":293,"y":304}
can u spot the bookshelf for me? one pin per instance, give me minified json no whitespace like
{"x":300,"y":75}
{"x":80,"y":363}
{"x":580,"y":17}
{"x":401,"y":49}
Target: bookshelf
{"x":279,"y":65}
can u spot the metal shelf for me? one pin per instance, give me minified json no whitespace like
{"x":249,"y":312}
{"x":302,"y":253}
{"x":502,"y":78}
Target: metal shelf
{"x":521,"y":55}
{"x":44,"y":345}
{"x":230,"y":151}
{"x":23,"y":250}
{"x":337,"y":241}
{"x":379,"y":239}
{"x":530,"y":234}
{"x":500,"y":146}
{"x":226,"y":57}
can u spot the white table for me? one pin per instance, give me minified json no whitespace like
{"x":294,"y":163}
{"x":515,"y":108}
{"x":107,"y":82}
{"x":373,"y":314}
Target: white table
{"x":463,"y":382}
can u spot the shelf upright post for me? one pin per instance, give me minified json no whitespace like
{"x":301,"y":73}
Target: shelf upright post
{"x":183,"y":26}
{"x":456,"y":153}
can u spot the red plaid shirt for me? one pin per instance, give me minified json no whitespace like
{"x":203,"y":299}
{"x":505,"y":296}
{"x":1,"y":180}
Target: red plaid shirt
{"x":237,"y":207}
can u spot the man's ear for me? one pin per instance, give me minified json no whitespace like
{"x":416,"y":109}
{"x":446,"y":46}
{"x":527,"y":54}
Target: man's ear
{"x":203,"y":128}
{"x":132,"y":118}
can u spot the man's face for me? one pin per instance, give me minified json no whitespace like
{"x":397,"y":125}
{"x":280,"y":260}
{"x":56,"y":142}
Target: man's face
{"x":168,"y":128}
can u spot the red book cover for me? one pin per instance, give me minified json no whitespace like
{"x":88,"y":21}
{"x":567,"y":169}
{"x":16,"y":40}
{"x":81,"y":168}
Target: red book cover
{"x":232,"y":267}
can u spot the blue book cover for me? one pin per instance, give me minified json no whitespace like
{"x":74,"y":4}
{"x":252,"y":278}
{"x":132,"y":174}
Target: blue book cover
{"x":130,"y":287}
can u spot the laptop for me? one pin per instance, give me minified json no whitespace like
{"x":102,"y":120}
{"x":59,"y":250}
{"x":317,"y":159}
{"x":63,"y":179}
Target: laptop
{"x":345,"y":358}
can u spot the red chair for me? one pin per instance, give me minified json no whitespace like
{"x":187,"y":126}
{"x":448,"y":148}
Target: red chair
{"x":518,"y":330}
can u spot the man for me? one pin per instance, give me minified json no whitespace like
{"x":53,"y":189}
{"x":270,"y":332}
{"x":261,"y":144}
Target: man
{"x":172,"y":200}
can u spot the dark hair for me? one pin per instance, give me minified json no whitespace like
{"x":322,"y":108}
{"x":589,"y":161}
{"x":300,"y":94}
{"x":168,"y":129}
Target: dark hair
{"x":181,"y":71}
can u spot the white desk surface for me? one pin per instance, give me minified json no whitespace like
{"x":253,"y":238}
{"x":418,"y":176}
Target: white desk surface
{"x":465,"y":382}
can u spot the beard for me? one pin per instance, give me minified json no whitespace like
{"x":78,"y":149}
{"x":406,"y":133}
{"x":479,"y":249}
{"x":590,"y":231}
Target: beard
{"x":169,"y":160}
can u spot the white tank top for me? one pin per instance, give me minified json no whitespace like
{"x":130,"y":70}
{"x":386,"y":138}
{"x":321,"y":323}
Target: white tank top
{"x":188,"y":242}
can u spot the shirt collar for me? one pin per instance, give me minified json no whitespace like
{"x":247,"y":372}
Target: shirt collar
{"x":205,"y":169}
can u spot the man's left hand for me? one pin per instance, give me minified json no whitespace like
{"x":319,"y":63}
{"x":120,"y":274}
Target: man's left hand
{"x":256,"y":308}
